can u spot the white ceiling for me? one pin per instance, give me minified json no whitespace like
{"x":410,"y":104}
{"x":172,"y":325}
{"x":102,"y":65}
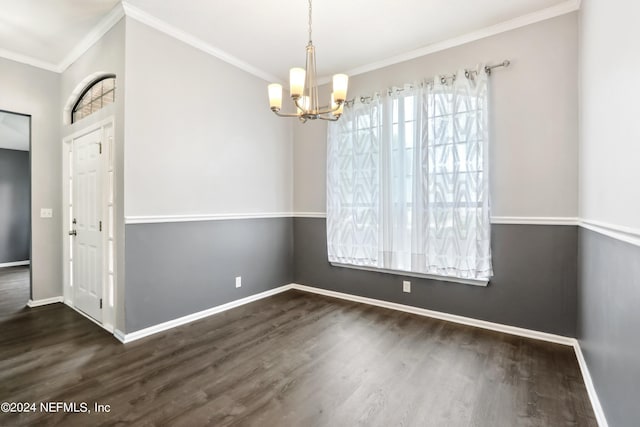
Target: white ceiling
{"x":269,"y":36}
{"x":48,"y":30}
{"x":272,"y":35}
{"x":14,"y":131}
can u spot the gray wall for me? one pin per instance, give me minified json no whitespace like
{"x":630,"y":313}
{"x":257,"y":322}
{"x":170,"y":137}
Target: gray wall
{"x":29,"y":90}
{"x":609,"y":280}
{"x":15,"y":221}
{"x":176,"y":269}
{"x":609,"y":321}
{"x":534,"y":285}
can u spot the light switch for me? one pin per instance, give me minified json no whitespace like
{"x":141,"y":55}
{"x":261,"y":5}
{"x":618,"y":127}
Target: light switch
{"x":46,"y":213}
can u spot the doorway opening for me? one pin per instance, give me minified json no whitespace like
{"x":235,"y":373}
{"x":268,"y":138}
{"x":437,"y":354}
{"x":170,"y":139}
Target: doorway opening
{"x":88,"y":223}
{"x":15,"y":212}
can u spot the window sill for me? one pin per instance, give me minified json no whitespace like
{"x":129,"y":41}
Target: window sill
{"x":474,"y":282}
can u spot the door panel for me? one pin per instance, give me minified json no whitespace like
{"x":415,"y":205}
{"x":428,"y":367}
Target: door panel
{"x":87,"y":208}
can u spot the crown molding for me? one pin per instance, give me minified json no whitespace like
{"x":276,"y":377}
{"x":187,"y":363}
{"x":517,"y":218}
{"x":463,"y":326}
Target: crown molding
{"x":166,"y":28}
{"x":563,"y":8}
{"x":105,"y":24}
{"x":28,"y":60}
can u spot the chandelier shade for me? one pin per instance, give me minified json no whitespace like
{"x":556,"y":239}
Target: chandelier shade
{"x":303,"y":89}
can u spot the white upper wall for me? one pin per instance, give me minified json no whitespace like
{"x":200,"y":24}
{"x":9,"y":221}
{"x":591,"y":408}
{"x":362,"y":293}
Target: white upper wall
{"x":609,"y":123}
{"x":29,"y":90}
{"x":534,"y":105}
{"x":200,"y":138}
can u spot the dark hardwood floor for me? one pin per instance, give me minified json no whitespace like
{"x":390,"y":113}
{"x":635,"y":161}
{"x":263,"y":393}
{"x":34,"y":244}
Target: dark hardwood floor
{"x":14,"y":290}
{"x":294,"y":359}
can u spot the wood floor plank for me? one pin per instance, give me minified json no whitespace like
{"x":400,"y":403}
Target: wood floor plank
{"x":14,"y":290}
{"x":294,"y":359}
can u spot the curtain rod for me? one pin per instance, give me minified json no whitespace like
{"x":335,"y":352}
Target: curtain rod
{"x":488,"y":68}
{"x":443,"y":79}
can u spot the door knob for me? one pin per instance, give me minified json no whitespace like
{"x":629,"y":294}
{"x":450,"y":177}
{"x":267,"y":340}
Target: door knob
{"x":73,"y":233}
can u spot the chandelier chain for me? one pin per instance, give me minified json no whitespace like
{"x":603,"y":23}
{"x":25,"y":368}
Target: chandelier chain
{"x":309,"y":21}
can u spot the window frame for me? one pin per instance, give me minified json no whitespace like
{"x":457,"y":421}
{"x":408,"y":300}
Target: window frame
{"x":395,"y":119}
{"x":86,"y":90}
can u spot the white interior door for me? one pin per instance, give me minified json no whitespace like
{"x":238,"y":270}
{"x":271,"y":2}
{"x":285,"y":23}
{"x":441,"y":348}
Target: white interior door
{"x":87,"y":212}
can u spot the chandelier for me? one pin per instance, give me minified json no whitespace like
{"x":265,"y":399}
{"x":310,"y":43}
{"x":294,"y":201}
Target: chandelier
{"x":304,"y":90}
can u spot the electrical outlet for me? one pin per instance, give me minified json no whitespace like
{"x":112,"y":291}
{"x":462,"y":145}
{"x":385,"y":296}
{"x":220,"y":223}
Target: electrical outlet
{"x":238,"y":281}
{"x":46,"y":213}
{"x":406,"y":286}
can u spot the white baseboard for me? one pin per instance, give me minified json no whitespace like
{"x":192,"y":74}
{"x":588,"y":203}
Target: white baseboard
{"x":121,"y":336}
{"x":512,"y":330}
{"x":45,"y":301}
{"x":14,"y":263}
{"x":591,"y":390}
{"x":142,"y":333}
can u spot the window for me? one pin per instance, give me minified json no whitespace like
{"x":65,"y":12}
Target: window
{"x":96,"y":96}
{"x":407,"y":182}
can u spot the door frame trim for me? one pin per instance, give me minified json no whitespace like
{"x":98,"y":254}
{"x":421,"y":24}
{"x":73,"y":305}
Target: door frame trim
{"x":108,"y":310}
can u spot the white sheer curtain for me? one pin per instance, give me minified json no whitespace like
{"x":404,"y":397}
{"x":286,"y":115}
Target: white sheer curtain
{"x":455,"y":170}
{"x":401,"y":185}
{"x":407,"y":181}
{"x":353,"y":186}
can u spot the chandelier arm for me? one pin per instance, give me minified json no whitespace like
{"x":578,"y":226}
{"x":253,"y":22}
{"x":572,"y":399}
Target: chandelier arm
{"x":329,"y":118}
{"x":277,"y":113}
{"x":298,"y":106}
{"x":330,"y":110}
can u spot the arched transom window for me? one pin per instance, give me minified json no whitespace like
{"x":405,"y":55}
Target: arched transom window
{"x":98,"y":94}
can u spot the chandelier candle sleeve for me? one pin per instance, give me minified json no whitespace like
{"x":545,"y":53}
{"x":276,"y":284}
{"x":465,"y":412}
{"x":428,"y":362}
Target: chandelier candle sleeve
{"x":337,"y":109}
{"x":340,"y":82}
{"x":296,"y":81}
{"x":275,"y":96}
